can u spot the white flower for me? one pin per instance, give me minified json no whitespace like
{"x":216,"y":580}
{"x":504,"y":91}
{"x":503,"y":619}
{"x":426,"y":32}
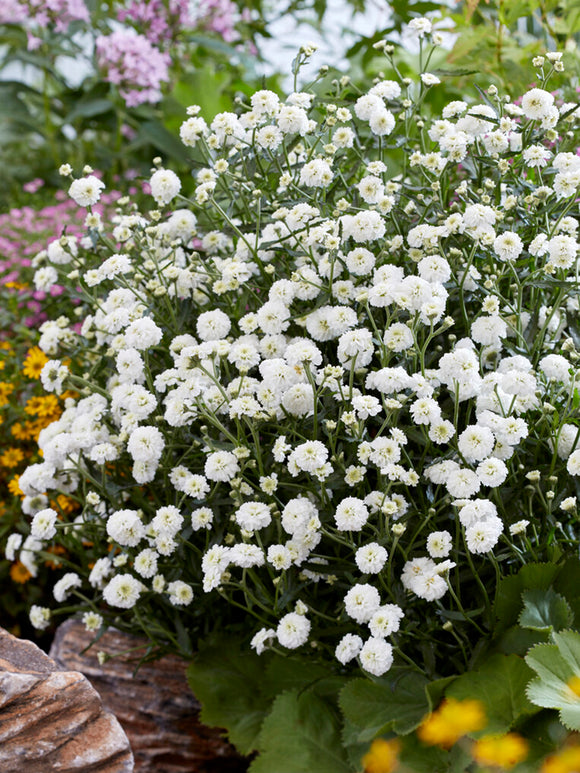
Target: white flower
{"x":361,"y":602}
{"x":316,"y":174}
{"x":165,"y":185}
{"x":43,"y":524}
{"x":348,"y":648}
{"x":309,"y":456}
{"x":39,"y":617}
{"x":351,"y":514}
{"x":439,"y":544}
{"x":476,"y":443}
{"x":122,"y":591}
{"x":126,"y":528}
{"x":168,"y":521}
{"x":221,"y":466}
{"x":386,"y":620}
{"x":180,"y":594}
{"x":483,"y":535}
{"x":146,"y":444}
{"x":260,"y":640}
{"x":213,"y":565}
{"x":537,"y":104}
{"x":53,"y":375}
{"x":376,"y":656}
{"x":252,"y":516}
{"x":420,"y":26}
{"x":12,"y":545}
{"x":519,"y":527}
{"x":213,"y":325}
{"x":146,"y":563}
{"x":143,"y":334}
{"x":508,"y":245}
{"x":573,"y":463}
{"x":293,"y":630}
{"x":65,"y":585}
{"x":429,"y":79}
{"x":202,"y":518}
{"x":492,"y":472}
{"x":462,"y":483}
{"x":92,"y":621}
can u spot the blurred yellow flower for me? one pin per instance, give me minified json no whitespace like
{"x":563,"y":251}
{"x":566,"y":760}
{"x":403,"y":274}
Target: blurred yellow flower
{"x":450,"y":721}
{"x":503,"y":751}
{"x":382,"y":757}
{"x":565,"y":761}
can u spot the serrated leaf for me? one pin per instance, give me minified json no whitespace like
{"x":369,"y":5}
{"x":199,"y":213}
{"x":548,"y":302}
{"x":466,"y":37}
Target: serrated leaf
{"x":556,"y":664}
{"x":397,"y":704}
{"x":500,"y":684}
{"x":508,"y":603}
{"x":219,"y":677}
{"x":300,"y":733}
{"x":545,"y":610}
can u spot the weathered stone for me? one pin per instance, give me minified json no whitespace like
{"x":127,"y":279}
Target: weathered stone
{"x":53,"y":720}
{"x":153,"y":704}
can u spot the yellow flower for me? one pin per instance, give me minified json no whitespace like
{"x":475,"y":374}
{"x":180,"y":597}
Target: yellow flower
{"x":6,"y":390}
{"x":503,"y":751}
{"x":34,"y":362}
{"x":574,"y":684}
{"x":11,"y":457}
{"x":450,"y":721}
{"x":566,"y":761}
{"x":47,"y":405}
{"x":19,"y":573}
{"x":14,"y":488}
{"x":382,"y":757}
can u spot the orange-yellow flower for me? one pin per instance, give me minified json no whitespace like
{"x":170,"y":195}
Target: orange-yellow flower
{"x":451,"y":720}
{"x":6,"y":389}
{"x":11,"y":457}
{"x":566,"y":761}
{"x":47,"y":405}
{"x":382,"y":757}
{"x":14,"y":488}
{"x":34,"y":362}
{"x":19,"y":573}
{"x":503,"y":751}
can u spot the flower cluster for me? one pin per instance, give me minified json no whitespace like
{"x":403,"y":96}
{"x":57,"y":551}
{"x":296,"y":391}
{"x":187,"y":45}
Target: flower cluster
{"x":130,"y":62}
{"x":44,"y":13}
{"x":334,"y":387}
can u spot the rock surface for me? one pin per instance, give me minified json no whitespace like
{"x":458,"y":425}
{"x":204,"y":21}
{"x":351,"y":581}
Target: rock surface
{"x":154,"y":705}
{"x":53,"y":720}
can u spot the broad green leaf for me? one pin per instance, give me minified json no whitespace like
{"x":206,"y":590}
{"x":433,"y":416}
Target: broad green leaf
{"x":500,"y":684}
{"x":226,"y":682}
{"x":508,"y":603}
{"x":556,"y":665}
{"x":545,"y":610}
{"x":300,"y":733}
{"x":398,"y":704}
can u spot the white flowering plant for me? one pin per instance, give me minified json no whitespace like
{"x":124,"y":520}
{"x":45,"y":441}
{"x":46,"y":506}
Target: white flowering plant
{"x":327,"y":409}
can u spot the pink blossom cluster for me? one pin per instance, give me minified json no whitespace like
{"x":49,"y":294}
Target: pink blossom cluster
{"x":134,"y":65}
{"x":158,"y":20}
{"x":26,"y":231}
{"x":44,"y":13}
{"x":219,"y":16}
